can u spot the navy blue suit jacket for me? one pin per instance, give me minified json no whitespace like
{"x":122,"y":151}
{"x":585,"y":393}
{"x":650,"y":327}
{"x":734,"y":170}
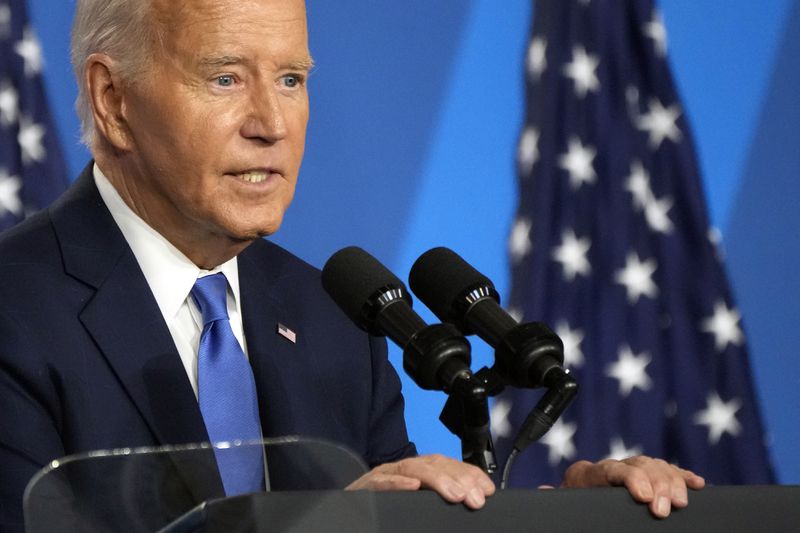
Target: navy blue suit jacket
{"x":87,"y":361}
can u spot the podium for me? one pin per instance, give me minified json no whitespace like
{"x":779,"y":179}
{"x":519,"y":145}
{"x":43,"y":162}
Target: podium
{"x":177,"y":489}
{"x":712,"y":510}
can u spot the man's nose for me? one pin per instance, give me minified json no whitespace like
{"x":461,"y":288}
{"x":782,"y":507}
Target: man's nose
{"x":265,"y":120}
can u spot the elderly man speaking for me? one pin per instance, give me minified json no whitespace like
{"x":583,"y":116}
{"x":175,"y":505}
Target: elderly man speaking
{"x":141,"y":308}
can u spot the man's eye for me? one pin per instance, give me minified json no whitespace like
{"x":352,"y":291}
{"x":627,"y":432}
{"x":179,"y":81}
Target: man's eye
{"x":225,"y":80}
{"x":292,"y":80}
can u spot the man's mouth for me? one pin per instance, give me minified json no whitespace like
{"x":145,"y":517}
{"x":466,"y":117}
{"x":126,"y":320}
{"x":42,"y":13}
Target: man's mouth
{"x":254,"y":176}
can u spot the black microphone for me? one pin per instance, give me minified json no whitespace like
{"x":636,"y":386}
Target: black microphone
{"x":525,"y":354}
{"x":434,"y":356}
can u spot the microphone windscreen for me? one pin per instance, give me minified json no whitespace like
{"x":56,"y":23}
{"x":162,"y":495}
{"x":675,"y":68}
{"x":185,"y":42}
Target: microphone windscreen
{"x":352,"y":277}
{"x":440,"y":277}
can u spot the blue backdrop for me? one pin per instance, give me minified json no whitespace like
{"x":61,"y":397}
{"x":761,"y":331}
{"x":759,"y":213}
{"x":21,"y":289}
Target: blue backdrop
{"x":416,"y":107}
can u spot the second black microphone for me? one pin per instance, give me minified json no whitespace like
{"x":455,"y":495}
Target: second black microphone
{"x":434,"y":356}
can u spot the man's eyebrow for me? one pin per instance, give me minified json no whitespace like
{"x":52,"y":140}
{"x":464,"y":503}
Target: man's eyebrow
{"x":303,"y":64}
{"x":221,"y":61}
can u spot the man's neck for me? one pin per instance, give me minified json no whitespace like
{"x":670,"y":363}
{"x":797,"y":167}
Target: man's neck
{"x":205,"y":249}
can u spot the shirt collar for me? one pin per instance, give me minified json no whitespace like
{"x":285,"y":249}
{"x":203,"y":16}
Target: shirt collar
{"x":169,"y":273}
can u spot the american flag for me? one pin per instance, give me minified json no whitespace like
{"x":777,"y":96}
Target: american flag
{"x":612,"y":247}
{"x":32,"y":171}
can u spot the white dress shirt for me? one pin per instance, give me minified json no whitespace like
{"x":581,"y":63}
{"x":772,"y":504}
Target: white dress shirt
{"x":171,"y":276}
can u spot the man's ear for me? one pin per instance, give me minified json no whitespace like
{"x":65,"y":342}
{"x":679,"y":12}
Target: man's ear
{"x":107,"y":97}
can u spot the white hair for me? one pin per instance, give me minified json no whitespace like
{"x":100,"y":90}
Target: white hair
{"x":125,"y":30}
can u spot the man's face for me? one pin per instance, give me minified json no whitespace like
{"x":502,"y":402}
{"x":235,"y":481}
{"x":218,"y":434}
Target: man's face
{"x":218,"y":121}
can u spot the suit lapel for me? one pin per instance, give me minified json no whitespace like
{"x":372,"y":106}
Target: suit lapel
{"x":283,"y":370}
{"x":123,"y":316}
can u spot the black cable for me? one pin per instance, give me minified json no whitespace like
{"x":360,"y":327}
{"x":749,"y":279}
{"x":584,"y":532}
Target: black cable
{"x":507,"y":468}
{"x":562,"y":389}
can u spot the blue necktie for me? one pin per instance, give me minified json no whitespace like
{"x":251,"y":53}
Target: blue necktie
{"x":227,"y":390}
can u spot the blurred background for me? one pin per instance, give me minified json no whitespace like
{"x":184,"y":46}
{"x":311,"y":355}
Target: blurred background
{"x":417,"y":107}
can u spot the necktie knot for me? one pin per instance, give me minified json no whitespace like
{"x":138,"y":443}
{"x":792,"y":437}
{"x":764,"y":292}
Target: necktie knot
{"x":210,"y":293}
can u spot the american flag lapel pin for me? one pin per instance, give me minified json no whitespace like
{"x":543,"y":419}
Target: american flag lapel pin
{"x":287,"y":333}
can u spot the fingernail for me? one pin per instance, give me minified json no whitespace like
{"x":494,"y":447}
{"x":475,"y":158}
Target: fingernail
{"x":477,"y":498}
{"x":663,"y":506}
{"x":681,"y":499}
{"x":646,"y":490}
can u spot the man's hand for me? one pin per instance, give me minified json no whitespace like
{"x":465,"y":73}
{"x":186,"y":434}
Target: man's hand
{"x":453,"y":480}
{"x":651,"y":481}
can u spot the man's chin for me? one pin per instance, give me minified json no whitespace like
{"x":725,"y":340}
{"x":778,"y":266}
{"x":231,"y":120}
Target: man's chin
{"x":240,"y":233}
{"x":251,"y":234}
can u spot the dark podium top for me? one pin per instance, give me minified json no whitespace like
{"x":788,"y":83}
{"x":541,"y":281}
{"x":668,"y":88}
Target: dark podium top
{"x":714,"y":509}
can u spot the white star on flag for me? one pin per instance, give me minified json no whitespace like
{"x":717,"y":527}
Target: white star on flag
{"x":630,"y":371}
{"x":619,"y":451}
{"x":31,"y":51}
{"x":724,"y":325}
{"x":655,"y":30}
{"x":659,"y":122}
{"x":578,"y":163}
{"x":656,"y":210}
{"x":714,"y":236}
{"x":30,"y":140}
{"x":519,"y":242}
{"x":581,"y":70}
{"x":572,"y":255}
{"x":501,"y":427}
{"x":9,"y":102}
{"x":9,"y":194}
{"x":719,"y":417}
{"x":636,"y":277}
{"x":656,"y":213}
{"x":537,"y":57}
{"x":559,"y":441}
{"x":638,"y":184}
{"x":572,"y":339}
{"x":528,"y":152}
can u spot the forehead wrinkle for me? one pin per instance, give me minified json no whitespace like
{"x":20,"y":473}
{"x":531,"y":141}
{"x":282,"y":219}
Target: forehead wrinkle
{"x":180,"y":19}
{"x":188,"y":13}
